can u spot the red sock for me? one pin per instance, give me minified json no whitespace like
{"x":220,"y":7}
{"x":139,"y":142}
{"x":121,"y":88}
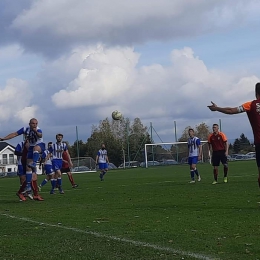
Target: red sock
{"x":22,"y":187}
{"x":215,"y":171}
{"x":35,"y":188}
{"x":71,"y":179}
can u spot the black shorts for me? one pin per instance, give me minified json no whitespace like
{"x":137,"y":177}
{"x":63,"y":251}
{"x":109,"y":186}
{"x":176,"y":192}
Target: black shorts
{"x":257,"y":154}
{"x":65,"y":170}
{"x":217,"y":157}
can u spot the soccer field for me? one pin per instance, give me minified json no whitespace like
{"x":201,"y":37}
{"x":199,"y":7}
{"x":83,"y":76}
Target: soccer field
{"x":136,"y":214}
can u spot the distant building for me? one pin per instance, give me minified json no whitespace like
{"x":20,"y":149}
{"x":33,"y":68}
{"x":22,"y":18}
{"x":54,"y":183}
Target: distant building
{"x":8,"y":161}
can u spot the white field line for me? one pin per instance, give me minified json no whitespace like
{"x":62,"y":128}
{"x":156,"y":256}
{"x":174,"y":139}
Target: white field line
{"x":124,"y":240}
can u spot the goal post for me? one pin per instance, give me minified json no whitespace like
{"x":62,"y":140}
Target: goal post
{"x":175,"y":151}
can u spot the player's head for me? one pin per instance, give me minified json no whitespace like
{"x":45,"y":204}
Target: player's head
{"x":257,"y":90}
{"x":49,"y":144}
{"x":191,"y":132}
{"x":215,"y":128}
{"x":33,"y":123}
{"x":103,"y":147}
{"x":59,"y":137}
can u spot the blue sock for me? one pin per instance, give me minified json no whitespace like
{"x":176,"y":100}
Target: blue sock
{"x":36,"y":156}
{"x":59,"y":182}
{"x":53,"y":183}
{"x":28,"y":177}
{"x":196,"y":172}
{"x":28,"y":180}
{"x":44,"y":182}
{"x":192,"y":174}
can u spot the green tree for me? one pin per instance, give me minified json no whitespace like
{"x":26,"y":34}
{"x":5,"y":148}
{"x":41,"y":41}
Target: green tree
{"x":136,"y":138}
{"x":76,"y":148}
{"x":202,"y":131}
{"x":104,"y":134}
{"x":244,"y":143}
{"x":185,"y":134}
{"x":236,"y":146}
{"x":119,"y":137}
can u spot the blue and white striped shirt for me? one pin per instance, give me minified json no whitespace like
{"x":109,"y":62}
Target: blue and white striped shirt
{"x":19,"y":148}
{"x":33,"y":138}
{"x":44,"y":155}
{"x":193,"y":145}
{"x":57,"y":149}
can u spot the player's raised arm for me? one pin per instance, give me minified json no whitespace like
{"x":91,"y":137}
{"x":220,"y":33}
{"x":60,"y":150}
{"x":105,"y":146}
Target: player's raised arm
{"x":225,"y":110}
{"x":9,"y":136}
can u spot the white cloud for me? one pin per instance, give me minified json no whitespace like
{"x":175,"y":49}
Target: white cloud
{"x":68,"y":23}
{"x":112,"y":80}
{"x":14,"y":98}
{"x":89,"y":83}
{"x":92,"y":69}
{"x":106,"y":76}
{"x":10,"y":52}
{"x":26,"y":113}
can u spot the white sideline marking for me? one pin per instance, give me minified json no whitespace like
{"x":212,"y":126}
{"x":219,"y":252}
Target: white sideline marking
{"x":125,"y":240}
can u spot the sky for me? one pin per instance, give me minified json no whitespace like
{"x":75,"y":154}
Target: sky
{"x":70,"y":63}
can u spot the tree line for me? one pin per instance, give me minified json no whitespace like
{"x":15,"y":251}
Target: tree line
{"x":123,"y":139}
{"x":126,"y":140}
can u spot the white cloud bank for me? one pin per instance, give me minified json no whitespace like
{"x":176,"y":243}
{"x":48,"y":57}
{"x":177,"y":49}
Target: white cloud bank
{"x":51,"y":27}
{"x":15,"y":99}
{"x":87,"y":84}
{"x":110,"y":79}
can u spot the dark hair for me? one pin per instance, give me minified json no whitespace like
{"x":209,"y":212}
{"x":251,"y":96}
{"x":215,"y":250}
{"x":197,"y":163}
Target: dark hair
{"x":215,"y":124}
{"x":191,"y":129}
{"x":257,"y":89}
{"x":49,"y":143}
{"x":59,"y":135}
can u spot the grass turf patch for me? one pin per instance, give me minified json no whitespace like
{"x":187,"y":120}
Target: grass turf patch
{"x":155,"y":212}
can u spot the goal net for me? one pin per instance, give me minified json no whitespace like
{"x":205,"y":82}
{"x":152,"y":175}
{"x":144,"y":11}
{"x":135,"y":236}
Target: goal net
{"x":171,"y":153}
{"x":83,"y":164}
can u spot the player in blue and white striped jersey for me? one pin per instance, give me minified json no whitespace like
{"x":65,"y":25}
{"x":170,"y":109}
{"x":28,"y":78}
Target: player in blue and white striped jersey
{"x":102,"y":161}
{"x":34,"y":135}
{"x":46,"y":159}
{"x":195,"y":151}
{"x":57,"y":149}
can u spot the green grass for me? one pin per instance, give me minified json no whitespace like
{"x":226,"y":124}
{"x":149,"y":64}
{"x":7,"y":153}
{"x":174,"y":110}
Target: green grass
{"x":136,"y":214}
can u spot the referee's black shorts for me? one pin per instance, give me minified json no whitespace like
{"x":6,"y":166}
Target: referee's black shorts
{"x":217,"y":157}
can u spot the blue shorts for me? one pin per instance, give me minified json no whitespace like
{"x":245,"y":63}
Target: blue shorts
{"x":102,"y":166}
{"x":56,"y":164}
{"x":30,"y":150}
{"x":193,"y":160}
{"x":21,"y":170}
{"x":48,"y":169}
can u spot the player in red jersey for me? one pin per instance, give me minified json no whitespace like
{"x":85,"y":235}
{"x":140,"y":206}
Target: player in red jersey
{"x":252,"y":108}
{"x":21,"y":150}
{"x":66,"y":165}
{"x":217,"y":141}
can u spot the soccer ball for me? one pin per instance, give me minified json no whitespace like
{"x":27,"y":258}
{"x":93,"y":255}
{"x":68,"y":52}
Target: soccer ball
{"x":116,"y":115}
